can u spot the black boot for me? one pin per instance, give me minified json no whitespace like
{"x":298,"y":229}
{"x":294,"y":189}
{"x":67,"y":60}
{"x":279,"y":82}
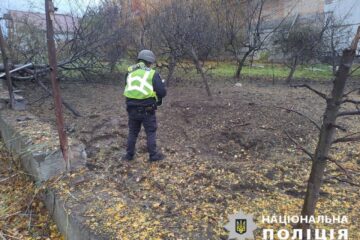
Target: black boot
{"x":157,"y":157}
{"x":127,"y":157}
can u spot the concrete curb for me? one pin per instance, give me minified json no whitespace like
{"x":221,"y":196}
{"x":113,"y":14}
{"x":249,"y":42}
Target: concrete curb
{"x":69,"y":224}
{"x":43,"y":162}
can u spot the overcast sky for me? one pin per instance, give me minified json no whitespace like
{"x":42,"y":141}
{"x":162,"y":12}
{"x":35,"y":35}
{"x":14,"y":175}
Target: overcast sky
{"x":64,"y":6}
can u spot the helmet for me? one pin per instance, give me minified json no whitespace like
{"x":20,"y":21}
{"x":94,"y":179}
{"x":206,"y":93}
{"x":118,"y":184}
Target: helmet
{"x":146,"y":55}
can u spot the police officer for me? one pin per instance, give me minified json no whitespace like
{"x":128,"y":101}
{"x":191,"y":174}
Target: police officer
{"x":144,"y":91}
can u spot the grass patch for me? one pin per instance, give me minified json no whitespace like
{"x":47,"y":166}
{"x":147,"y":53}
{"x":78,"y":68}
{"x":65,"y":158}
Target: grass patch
{"x":277,"y":71}
{"x":262,"y":70}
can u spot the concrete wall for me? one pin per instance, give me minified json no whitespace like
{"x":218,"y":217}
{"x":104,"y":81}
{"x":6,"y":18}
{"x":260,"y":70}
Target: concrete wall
{"x":43,"y":165}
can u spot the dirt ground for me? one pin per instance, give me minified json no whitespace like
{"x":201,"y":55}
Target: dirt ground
{"x":223,"y":155}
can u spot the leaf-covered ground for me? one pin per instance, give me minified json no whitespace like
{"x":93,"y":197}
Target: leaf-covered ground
{"x":223,"y":155}
{"x":22,"y":213}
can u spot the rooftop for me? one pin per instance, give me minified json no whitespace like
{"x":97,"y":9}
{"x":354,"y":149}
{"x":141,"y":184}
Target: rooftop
{"x":63,"y":23}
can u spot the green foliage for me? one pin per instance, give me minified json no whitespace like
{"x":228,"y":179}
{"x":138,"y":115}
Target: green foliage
{"x":264,"y":56}
{"x":299,"y":44}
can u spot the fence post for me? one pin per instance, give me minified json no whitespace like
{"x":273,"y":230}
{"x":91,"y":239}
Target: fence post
{"x":50,"y":15}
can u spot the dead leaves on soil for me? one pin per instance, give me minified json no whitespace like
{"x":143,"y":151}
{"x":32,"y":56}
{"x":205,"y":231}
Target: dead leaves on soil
{"x":22,"y":213}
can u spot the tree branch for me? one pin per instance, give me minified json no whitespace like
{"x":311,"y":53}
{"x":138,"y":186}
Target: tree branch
{"x":5,"y":179}
{"x":340,"y":127}
{"x":347,"y":181}
{"x":350,"y":92}
{"x":349,"y":113}
{"x":68,"y":106}
{"x":351,"y":101}
{"x":323,"y":95}
{"x":348,"y":138}
{"x":300,"y":114}
{"x":40,"y":98}
{"x":307,"y":152}
{"x":343,"y":140}
{"x":340,"y":166}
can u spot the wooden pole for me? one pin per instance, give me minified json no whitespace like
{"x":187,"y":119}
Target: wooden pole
{"x":49,"y":9}
{"x":7,"y":70}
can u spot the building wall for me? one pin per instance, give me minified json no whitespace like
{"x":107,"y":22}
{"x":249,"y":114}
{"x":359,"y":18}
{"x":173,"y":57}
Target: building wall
{"x":279,"y":9}
{"x":346,"y":10}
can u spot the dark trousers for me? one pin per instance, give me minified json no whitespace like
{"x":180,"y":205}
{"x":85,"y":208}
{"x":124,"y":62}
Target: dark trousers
{"x":138,"y":117}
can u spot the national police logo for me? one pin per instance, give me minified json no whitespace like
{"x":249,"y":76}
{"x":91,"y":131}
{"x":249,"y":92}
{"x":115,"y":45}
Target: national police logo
{"x":241,"y":226}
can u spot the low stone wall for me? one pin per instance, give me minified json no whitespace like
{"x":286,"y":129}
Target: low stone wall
{"x":36,"y":145}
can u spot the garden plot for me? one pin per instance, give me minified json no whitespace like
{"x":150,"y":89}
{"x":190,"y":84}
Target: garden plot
{"x":223,"y":155}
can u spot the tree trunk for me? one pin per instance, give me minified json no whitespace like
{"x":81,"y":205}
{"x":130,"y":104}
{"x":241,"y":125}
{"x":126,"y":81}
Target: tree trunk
{"x":200,"y":69}
{"x":112,"y":66}
{"x":172,"y":66}
{"x":292,"y":71}
{"x":241,"y":63}
{"x":327,"y":134}
{"x":239,"y":69}
{"x":334,"y":68}
{"x":7,"y":71}
{"x":291,"y":74}
{"x":333,"y":53}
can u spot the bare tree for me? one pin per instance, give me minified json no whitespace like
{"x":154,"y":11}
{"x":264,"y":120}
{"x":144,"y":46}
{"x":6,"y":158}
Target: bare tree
{"x":27,"y":43}
{"x":243,"y":24}
{"x":84,"y":44}
{"x":202,"y":38}
{"x":299,"y":43}
{"x":167,"y":37}
{"x":191,"y":32}
{"x":335,"y":102}
{"x":109,"y":27}
{"x":93,"y":41}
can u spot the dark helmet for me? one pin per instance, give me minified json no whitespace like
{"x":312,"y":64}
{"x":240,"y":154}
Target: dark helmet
{"x":147,"y":56}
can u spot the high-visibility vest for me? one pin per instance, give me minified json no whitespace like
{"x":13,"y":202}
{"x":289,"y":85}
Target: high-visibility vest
{"x":139,"y":84}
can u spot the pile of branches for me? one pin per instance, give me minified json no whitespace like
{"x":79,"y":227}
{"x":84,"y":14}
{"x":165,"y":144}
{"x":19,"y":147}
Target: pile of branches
{"x":31,"y":71}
